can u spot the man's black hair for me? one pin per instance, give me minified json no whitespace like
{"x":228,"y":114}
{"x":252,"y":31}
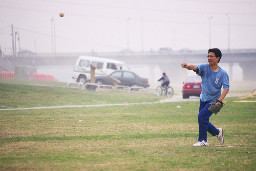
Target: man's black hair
{"x":217,"y":52}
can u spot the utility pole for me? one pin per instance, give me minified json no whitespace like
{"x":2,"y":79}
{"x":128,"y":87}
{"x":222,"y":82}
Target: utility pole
{"x":54,"y":39}
{"x":142,"y":46}
{"x":210,"y":41}
{"x":13,"y":51}
{"x":35,"y":45}
{"x":228,"y":32}
{"x":127,"y":25}
{"x":53,"y":36}
{"x":19,"y":42}
{"x":174,"y":37}
{"x":15,"y":42}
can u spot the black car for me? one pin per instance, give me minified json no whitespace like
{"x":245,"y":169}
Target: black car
{"x":127,"y":78}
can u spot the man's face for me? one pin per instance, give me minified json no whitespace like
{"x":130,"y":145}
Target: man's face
{"x":212,"y":59}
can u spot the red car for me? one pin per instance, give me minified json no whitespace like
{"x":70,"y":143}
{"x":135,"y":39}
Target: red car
{"x":192,"y":87}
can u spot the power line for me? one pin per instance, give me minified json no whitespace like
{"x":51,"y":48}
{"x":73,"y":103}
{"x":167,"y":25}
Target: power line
{"x":155,"y":9}
{"x":5,"y":27}
{"x":187,"y":23}
{"x":136,"y":8}
{"x":66,"y":38}
{"x":31,"y":31}
{"x":139,"y":19}
{"x":221,"y":1}
{"x":26,"y":9}
{"x":125,"y":7}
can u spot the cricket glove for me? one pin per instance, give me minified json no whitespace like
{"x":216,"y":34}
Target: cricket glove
{"x":215,"y":107}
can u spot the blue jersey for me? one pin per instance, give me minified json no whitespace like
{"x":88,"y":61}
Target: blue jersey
{"x":212,"y":82}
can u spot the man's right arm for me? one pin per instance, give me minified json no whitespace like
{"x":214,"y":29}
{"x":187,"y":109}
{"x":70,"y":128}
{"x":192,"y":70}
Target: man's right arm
{"x":189,"y":67}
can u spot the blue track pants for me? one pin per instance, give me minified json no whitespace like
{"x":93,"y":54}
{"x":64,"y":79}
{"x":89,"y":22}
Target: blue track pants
{"x":204,"y":124}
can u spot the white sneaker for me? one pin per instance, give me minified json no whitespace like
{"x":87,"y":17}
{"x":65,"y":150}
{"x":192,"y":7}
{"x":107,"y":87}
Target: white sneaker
{"x":200,"y":144}
{"x":220,"y":136}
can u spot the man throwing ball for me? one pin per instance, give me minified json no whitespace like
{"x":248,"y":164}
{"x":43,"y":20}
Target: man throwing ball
{"x":213,"y":79}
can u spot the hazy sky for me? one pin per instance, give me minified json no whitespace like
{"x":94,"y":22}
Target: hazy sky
{"x":113,"y":25}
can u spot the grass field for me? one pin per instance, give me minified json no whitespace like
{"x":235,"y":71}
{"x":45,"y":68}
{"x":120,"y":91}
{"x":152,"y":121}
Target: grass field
{"x":137,"y":137}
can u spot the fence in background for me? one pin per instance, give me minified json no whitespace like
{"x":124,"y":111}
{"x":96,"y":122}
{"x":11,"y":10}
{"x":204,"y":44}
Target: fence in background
{"x":103,"y":87}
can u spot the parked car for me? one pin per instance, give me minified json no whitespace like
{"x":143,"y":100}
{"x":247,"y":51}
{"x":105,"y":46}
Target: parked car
{"x":82,"y":69}
{"x":192,"y":87}
{"x":127,"y":78}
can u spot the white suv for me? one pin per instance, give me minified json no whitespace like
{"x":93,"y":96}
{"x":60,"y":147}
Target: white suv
{"x":82,"y":70}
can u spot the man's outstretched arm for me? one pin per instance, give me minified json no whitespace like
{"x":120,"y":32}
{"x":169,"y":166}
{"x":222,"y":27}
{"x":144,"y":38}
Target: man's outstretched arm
{"x":189,"y":67}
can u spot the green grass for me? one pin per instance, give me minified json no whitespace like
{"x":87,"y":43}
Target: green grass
{"x":137,"y":137}
{"x":20,"y":95}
